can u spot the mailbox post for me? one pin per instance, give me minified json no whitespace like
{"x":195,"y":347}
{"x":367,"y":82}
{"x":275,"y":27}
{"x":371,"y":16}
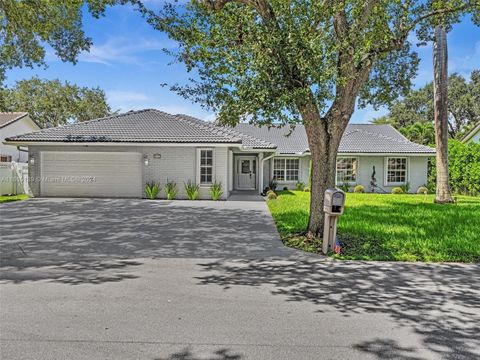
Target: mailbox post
{"x":333,"y":204}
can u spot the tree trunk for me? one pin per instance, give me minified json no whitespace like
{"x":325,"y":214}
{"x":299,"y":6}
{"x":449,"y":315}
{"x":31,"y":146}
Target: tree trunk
{"x":440,"y":92}
{"x":324,"y":137}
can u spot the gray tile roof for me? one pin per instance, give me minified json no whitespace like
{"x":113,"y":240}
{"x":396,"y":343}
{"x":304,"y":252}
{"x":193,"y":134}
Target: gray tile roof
{"x":10,"y":117}
{"x":144,"y":126}
{"x":358,"y":138}
{"x":154,"y":126}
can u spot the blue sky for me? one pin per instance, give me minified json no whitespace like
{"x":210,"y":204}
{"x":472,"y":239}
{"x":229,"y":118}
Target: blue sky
{"x":128,"y":62}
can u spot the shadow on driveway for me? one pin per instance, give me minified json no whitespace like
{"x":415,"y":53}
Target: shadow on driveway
{"x":441,"y":302}
{"x":89,"y":240}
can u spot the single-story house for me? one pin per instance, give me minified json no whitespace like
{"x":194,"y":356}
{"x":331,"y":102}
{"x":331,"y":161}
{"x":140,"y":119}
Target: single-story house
{"x":115,"y":156}
{"x":11,"y":124}
{"x":473,"y":135}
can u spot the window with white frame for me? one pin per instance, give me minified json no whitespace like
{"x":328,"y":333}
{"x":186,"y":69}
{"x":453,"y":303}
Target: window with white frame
{"x":396,"y":170}
{"x":206,"y":166}
{"x":346,"y":170}
{"x":286,"y":169}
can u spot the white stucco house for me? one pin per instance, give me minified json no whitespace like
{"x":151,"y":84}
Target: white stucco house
{"x":115,"y":156}
{"x":11,"y":124}
{"x":473,"y":135}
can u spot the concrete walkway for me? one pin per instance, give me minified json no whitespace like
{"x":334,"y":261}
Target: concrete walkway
{"x":126,"y":279}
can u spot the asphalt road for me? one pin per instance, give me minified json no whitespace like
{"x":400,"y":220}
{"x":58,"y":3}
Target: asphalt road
{"x":98,"y":279}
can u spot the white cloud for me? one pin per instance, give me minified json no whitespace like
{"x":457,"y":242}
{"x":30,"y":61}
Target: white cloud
{"x":123,"y":50}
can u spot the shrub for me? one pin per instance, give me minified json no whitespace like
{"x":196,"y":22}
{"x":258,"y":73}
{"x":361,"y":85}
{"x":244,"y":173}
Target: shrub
{"x":405,"y":187}
{"x":192,"y":190}
{"x":359,"y":189}
{"x":216,"y":190}
{"x":285,"y":188}
{"x":397,"y":190}
{"x":300,"y":186}
{"x":271,"y":196}
{"x":464,"y":168}
{"x":307,"y":189}
{"x":422,"y":190}
{"x":170,"y":189}
{"x":344,"y":187}
{"x":151,"y":190}
{"x":273,"y":184}
{"x":270,"y":192}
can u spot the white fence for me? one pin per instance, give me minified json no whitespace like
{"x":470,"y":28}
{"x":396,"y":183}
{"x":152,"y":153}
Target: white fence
{"x":13,"y":178}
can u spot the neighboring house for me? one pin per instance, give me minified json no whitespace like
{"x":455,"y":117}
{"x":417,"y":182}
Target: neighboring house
{"x":11,"y":124}
{"x":115,"y":156}
{"x":473,"y":135}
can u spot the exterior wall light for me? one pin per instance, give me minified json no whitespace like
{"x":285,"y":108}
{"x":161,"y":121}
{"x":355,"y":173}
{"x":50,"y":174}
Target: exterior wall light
{"x":32,"y":160}
{"x":157,"y":156}
{"x":145,"y":159}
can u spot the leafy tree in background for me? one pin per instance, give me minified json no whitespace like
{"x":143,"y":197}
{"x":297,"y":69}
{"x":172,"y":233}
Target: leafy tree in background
{"x":26,"y":26}
{"x":413,"y":114}
{"x":282,"y":61}
{"x":50,"y":102}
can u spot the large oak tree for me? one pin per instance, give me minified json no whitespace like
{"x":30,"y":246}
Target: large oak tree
{"x":291,"y":61}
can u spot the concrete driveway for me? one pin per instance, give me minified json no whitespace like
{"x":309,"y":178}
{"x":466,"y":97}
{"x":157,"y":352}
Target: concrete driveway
{"x":128,"y":279}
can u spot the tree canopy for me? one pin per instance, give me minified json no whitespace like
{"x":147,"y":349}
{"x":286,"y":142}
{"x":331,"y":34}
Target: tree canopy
{"x":26,"y":26}
{"x":51,"y":102}
{"x":413,"y":114}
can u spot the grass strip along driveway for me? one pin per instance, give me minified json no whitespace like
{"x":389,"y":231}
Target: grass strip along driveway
{"x":9,"y":198}
{"x":389,"y":227}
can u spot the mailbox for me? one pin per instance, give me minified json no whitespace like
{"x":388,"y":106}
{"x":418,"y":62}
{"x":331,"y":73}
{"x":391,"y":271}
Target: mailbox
{"x":333,"y":204}
{"x":334,"y":201}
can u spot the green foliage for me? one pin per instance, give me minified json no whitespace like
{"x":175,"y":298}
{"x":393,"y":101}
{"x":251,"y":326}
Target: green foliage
{"x":463,"y":168}
{"x":405,"y":187}
{"x":271,"y":196}
{"x":397,"y":190}
{"x":216,"y":190}
{"x":53,"y":102}
{"x":27,"y":26}
{"x":422,"y":190}
{"x":151,"y":190}
{"x":10,"y":198}
{"x":266,"y":59}
{"x":389,"y":227}
{"x":170,"y":189}
{"x":270,"y":192}
{"x":344,"y":187}
{"x":192,"y":190}
{"x":300,"y":186}
{"x":359,"y":189}
{"x":413,"y":114}
{"x":307,"y":189}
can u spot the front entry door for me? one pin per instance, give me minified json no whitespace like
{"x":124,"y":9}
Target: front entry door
{"x":246,"y":169}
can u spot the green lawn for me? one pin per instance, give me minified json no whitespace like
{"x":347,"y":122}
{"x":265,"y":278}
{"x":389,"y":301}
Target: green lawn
{"x":389,"y":227}
{"x":8,"y":198}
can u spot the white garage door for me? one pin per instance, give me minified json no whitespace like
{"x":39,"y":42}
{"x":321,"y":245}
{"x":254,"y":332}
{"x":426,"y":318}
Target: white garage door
{"x":91,"y":174}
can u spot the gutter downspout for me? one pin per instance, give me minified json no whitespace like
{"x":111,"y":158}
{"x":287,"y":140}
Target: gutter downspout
{"x":260,"y":188}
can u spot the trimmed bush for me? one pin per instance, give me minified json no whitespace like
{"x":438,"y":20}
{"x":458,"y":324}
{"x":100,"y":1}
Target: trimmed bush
{"x":359,"y":189}
{"x":344,"y":187}
{"x":300,"y":186}
{"x":422,"y":190}
{"x":151,"y":190}
{"x":270,"y":192}
{"x":216,"y":191}
{"x":307,"y":189}
{"x":397,"y":190}
{"x":192,"y":190}
{"x":170,"y":189}
{"x":405,"y":187}
{"x":271,"y":195}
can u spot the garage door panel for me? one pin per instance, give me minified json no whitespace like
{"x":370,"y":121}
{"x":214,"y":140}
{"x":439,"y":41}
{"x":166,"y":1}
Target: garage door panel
{"x":91,"y":174}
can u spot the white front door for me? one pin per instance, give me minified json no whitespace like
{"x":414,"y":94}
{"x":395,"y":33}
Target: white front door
{"x":246,"y":171}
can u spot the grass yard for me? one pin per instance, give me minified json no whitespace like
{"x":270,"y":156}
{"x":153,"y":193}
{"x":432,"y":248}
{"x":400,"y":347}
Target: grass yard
{"x":389,"y":227}
{"x":9,"y":198}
